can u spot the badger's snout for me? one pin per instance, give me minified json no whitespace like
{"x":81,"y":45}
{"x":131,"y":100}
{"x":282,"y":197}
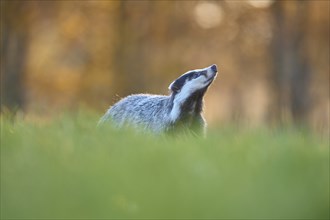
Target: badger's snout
{"x":211,"y":72}
{"x":214,"y":68}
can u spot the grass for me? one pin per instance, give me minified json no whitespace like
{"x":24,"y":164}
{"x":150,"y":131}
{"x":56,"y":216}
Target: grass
{"x":68,"y":168}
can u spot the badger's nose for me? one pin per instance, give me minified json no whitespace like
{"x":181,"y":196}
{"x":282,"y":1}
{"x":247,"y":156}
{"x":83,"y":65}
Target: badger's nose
{"x":214,"y":68}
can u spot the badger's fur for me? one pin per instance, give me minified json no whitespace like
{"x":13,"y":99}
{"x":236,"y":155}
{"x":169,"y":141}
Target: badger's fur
{"x":181,"y":110}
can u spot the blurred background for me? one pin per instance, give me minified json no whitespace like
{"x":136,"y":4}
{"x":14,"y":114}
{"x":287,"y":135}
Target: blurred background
{"x":273,"y":56}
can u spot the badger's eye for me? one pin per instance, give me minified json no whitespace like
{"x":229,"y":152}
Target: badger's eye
{"x":196,"y":75}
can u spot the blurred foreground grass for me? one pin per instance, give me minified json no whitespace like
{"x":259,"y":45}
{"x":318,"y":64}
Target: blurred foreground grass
{"x":68,"y":168}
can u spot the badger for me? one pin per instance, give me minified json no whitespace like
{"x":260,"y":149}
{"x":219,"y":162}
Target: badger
{"x":181,"y":110}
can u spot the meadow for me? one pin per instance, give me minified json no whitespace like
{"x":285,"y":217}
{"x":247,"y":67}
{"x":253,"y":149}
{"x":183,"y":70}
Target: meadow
{"x":66,"y":167}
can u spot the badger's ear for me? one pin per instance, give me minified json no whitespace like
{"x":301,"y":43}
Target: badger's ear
{"x":174,"y":87}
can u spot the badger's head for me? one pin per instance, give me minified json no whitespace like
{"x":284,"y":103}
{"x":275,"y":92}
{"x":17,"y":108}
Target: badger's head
{"x":194,"y":81}
{"x":188,"y":91}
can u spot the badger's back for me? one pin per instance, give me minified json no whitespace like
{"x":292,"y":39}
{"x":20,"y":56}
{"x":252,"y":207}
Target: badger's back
{"x":142,"y":110}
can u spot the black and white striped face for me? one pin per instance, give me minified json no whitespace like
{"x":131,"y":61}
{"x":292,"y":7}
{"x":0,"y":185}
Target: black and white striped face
{"x":194,"y":80}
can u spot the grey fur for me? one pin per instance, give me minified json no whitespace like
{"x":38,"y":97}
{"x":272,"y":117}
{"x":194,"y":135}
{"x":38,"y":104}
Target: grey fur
{"x":181,"y":110}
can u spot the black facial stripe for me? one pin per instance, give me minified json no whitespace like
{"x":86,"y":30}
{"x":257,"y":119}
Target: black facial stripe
{"x":192,"y":75}
{"x":203,"y":73}
{"x":179,"y":82}
{"x":198,"y":74}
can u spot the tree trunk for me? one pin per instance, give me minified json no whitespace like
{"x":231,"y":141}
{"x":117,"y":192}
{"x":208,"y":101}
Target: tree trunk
{"x":291,"y":72}
{"x":13,"y":57}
